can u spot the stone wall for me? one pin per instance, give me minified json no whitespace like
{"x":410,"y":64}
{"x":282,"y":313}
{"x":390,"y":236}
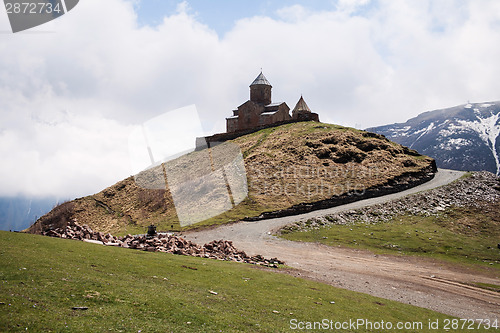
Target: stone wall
{"x":249,"y":115}
{"x":213,"y":140}
{"x":231,"y":124}
{"x":306,"y":116}
{"x":260,"y":94}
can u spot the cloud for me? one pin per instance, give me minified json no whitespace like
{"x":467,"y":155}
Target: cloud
{"x":442,"y":54}
{"x":71,"y":91}
{"x":350,"y":6}
{"x":48,"y":150}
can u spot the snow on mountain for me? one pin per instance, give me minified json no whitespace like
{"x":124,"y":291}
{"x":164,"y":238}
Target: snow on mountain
{"x":488,"y":129}
{"x":465,"y":137}
{"x":423,"y":132}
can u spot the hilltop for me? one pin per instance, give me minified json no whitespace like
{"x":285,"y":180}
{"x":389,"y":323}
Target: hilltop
{"x":294,"y":165}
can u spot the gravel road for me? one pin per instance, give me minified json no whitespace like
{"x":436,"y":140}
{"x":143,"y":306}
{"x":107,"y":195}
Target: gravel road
{"x":418,"y":281}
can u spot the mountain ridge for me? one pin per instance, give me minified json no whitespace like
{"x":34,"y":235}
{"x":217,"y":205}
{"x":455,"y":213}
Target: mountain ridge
{"x":465,"y":137}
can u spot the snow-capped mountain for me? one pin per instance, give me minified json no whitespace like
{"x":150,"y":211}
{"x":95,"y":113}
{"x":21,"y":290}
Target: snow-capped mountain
{"x":465,"y":137}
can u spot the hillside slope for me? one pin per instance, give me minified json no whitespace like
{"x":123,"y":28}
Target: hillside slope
{"x":284,"y":166}
{"x":465,"y":137}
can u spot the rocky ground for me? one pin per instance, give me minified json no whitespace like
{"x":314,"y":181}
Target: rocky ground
{"x":474,"y":190}
{"x":216,"y":249}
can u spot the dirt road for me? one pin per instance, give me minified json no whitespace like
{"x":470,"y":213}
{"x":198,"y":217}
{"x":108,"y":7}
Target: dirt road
{"x":418,"y":281}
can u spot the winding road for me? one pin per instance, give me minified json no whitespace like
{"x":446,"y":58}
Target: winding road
{"x":423,"y":282}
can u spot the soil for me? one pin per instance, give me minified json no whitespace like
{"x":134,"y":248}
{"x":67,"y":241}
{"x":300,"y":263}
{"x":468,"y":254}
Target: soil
{"x":423,"y":282}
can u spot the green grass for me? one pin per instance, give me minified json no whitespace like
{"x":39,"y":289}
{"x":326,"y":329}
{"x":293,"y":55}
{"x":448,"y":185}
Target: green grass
{"x":263,"y":135}
{"x":488,"y":286}
{"x":43,"y":278}
{"x":451,"y":236}
{"x":325,"y":127}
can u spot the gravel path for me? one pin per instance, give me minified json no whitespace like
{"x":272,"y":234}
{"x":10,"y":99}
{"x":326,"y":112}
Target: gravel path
{"x":419,"y":281}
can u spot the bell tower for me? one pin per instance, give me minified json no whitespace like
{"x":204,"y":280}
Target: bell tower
{"x":260,"y":90}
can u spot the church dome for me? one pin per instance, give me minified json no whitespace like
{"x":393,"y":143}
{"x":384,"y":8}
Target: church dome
{"x":260,"y":80}
{"x":301,"y":106}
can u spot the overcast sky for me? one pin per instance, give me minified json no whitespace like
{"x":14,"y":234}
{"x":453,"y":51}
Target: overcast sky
{"x":73,"y":90}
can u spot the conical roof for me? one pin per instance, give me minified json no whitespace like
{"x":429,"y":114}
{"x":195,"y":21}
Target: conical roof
{"x":301,"y":106}
{"x":261,"y":79}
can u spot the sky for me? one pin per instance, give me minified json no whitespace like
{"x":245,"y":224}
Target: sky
{"x":73,"y":91}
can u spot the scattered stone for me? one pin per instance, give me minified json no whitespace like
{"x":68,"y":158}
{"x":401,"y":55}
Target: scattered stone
{"x":167,"y":243}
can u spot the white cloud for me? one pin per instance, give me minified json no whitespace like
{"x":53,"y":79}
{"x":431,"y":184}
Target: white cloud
{"x":350,"y":6}
{"x":70,"y":94}
{"x":293,"y":13}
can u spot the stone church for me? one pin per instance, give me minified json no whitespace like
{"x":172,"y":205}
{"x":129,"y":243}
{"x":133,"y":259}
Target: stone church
{"x":260,"y":111}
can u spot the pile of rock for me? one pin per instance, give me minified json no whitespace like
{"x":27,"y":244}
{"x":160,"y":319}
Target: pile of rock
{"x":168,"y":243}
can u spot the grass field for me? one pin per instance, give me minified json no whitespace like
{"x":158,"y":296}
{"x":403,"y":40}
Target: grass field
{"x":43,"y":278}
{"x":464,"y":235}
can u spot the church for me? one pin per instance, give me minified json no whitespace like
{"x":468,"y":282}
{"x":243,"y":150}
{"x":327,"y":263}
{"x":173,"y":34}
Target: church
{"x":260,"y":111}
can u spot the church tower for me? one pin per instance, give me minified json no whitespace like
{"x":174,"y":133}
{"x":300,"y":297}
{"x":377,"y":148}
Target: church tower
{"x":260,"y":90}
{"x":301,"y":112}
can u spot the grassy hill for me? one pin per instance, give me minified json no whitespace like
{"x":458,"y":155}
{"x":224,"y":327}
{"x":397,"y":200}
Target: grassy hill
{"x":57,"y":285}
{"x":287,"y":165}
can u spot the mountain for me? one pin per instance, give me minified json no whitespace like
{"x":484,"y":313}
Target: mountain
{"x":464,"y":137}
{"x":18,"y":213}
{"x":278,"y":168}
